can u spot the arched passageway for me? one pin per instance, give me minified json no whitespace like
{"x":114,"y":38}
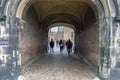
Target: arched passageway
{"x":38,"y":17}
{"x":84,"y":21}
{"x":28,"y":23}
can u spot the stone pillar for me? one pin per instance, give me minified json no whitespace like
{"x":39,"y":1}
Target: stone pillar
{"x":109,"y":49}
{"x":104,"y":43}
{"x":115,"y":51}
{"x":76,"y":48}
{"x":21,"y":25}
{"x":12,"y":23}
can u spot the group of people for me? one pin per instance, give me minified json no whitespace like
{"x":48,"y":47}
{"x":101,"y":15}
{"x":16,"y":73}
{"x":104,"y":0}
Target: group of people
{"x":62,"y":44}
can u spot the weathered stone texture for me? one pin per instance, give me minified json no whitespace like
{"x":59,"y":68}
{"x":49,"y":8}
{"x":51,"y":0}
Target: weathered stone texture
{"x":31,"y":39}
{"x":89,"y":44}
{"x":59,"y":67}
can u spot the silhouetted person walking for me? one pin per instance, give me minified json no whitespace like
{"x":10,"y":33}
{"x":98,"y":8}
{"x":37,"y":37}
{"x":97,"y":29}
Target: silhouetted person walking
{"x":61,"y":43}
{"x":51,"y":46}
{"x":69,"y":45}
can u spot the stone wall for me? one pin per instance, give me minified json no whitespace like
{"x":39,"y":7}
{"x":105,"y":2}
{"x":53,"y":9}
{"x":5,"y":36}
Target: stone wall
{"x":88,"y":44}
{"x":31,"y":37}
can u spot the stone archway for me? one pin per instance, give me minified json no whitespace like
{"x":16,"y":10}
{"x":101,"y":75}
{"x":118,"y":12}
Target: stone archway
{"x":106,"y":26}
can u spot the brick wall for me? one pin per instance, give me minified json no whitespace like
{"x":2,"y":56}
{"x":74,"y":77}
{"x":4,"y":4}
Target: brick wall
{"x":31,"y":37}
{"x":88,"y":44}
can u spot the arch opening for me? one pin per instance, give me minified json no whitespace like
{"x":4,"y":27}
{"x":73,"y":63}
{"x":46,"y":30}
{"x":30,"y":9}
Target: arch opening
{"x":89,"y":17}
{"x":61,"y":31}
{"x":39,"y":19}
{"x":85,"y":26}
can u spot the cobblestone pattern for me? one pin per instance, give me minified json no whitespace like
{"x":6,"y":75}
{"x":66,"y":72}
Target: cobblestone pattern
{"x":58,"y":67}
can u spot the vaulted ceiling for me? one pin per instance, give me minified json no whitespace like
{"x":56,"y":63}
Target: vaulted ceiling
{"x":75,"y":12}
{"x":45,"y":8}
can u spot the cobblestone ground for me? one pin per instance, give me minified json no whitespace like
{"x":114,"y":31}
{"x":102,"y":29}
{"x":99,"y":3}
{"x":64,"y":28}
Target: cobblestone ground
{"x":58,"y":67}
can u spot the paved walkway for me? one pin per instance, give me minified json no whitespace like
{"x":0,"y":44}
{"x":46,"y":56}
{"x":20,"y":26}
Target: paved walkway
{"x":59,"y":67}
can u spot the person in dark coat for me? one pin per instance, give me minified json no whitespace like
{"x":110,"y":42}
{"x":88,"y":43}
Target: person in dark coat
{"x":51,"y":46}
{"x":69,"y":45}
{"x":61,"y":44}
